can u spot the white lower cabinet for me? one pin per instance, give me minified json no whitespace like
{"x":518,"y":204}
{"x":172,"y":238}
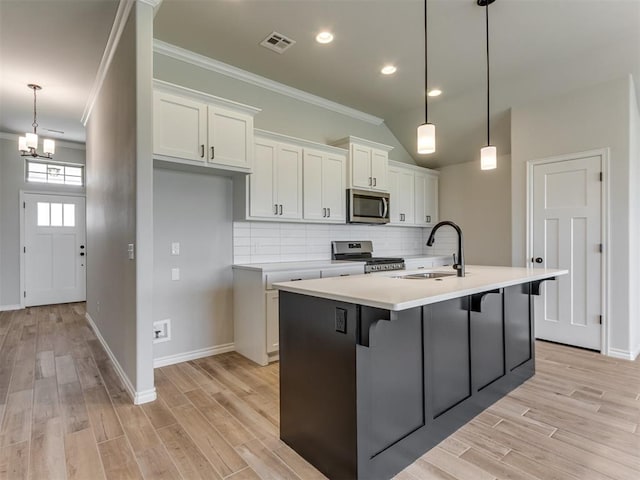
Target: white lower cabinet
{"x":255,"y":305}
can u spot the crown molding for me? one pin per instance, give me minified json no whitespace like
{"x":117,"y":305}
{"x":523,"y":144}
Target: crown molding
{"x":279,"y":137}
{"x":207,"y":63}
{"x":122,"y":14}
{"x":59,"y":143}
{"x":362,"y":141}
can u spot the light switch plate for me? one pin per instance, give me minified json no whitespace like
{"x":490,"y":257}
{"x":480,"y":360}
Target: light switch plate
{"x":175,"y":248}
{"x":175,"y":274}
{"x":131,"y":251}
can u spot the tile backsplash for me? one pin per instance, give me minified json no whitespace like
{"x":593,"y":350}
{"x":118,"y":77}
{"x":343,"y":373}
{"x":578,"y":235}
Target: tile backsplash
{"x":262,"y":242}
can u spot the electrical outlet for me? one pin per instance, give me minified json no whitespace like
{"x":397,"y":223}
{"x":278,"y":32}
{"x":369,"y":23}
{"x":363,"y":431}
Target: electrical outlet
{"x":175,"y":274}
{"x":341,"y":320}
{"x":162,"y":331}
{"x":131,"y":251}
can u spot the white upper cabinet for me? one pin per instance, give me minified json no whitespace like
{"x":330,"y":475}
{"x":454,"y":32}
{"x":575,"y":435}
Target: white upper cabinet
{"x":193,"y":127}
{"x":402,"y":196}
{"x":179,"y":127}
{"x":413,"y":195}
{"x":275,"y":186}
{"x":324,"y":186}
{"x":367,"y":163}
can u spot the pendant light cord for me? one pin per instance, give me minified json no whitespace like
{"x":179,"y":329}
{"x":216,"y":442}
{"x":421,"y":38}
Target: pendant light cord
{"x":426,"y":68}
{"x":35,"y":123}
{"x":488,"y":83}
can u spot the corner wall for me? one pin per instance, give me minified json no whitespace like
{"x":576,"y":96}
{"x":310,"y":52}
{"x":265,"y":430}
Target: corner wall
{"x":120,"y":207}
{"x":586,"y":119}
{"x":12,"y":181}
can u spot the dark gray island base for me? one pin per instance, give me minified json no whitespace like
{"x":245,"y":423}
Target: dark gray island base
{"x":364,"y":391}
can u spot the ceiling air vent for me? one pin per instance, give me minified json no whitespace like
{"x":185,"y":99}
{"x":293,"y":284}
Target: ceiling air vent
{"x":277,"y":42}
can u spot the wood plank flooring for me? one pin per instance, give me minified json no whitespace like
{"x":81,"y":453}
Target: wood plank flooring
{"x":65,"y":415}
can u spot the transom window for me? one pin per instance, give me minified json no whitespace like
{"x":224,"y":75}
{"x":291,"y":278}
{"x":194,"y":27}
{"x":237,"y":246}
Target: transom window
{"x":56,"y":173}
{"x":56,"y":214}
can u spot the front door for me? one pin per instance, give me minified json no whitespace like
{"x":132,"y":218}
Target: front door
{"x":54,"y":249}
{"x":567,"y":210}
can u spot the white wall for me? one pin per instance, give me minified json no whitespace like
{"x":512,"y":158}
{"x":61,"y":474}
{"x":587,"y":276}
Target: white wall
{"x":195,"y":210}
{"x":634,"y":217}
{"x":586,"y":119}
{"x":280,"y":113}
{"x":12,"y":181}
{"x":480,"y":202}
{"x":120,"y":206}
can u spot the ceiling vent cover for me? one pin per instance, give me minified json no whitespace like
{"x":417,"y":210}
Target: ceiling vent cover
{"x":277,"y":42}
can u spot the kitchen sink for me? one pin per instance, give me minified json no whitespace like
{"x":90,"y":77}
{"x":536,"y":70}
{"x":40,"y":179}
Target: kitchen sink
{"x":419,"y":276}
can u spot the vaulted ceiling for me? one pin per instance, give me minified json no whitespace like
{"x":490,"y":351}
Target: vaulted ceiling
{"x":538,"y":48}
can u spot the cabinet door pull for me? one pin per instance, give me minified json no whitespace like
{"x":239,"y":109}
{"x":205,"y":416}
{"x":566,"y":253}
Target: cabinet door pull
{"x":213,"y":153}
{"x":295,"y":279}
{"x":275,"y":208}
{"x":202,"y":151}
{"x":324,"y":212}
{"x":329,"y":212}
{"x":375,"y":181}
{"x":280,"y":209}
{"x":428,"y":218}
{"x":370,"y":181}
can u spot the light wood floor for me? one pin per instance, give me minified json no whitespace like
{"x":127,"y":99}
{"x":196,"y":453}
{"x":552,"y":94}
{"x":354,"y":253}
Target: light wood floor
{"x":64,"y":414}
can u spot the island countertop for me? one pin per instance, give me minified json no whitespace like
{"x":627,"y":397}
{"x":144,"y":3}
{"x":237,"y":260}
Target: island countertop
{"x":389,"y":292}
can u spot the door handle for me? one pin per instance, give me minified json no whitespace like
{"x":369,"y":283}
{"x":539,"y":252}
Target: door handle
{"x":202,"y":151}
{"x":82,"y":254}
{"x":81,"y":246}
{"x":537,"y":260}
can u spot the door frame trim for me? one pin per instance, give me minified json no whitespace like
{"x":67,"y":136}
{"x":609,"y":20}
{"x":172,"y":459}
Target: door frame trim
{"x":22,"y":233}
{"x":605,"y":261}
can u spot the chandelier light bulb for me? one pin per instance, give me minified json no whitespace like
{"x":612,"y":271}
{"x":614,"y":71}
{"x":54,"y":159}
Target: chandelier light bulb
{"x":32,"y":140}
{"x":22,"y":144}
{"x":49,"y":146}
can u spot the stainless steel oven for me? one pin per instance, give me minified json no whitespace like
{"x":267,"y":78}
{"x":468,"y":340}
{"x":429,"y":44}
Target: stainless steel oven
{"x":364,"y":206}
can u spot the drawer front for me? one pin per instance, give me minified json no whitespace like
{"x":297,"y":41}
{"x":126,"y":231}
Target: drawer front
{"x":290,"y":276}
{"x":342,"y":271}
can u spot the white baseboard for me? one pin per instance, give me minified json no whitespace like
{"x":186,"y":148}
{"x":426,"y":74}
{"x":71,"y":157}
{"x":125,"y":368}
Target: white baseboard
{"x":193,"y":355}
{"x":7,"y":308}
{"x":624,"y":354}
{"x":137,"y":397}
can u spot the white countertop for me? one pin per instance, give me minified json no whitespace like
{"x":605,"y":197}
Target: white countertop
{"x":390,"y":293}
{"x":302,"y":265}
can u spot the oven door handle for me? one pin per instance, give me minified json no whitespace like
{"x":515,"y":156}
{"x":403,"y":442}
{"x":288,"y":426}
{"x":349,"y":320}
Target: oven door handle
{"x":385,"y":207}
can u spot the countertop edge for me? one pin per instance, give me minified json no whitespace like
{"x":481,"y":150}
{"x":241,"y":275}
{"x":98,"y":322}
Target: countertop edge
{"x":287,"y":287}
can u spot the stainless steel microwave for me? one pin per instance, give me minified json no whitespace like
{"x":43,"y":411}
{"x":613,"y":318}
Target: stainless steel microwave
{"x":364,"y":206}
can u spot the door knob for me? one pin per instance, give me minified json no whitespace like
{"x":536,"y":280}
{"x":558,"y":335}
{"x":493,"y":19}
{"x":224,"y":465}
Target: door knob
{"x":82,"y":254}
{"x":538,"y":260}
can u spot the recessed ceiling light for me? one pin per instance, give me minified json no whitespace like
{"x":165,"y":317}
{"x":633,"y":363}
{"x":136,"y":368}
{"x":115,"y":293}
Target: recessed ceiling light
{"x":324,"y":37}
{"x":388,"y":70}
{"x":434,"y":93}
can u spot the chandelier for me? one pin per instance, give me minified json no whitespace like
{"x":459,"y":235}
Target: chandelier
{"x":28,"y":145}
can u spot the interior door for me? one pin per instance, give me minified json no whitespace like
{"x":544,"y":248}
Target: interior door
{"x":55,"y":251}
{"x":567,"y":206}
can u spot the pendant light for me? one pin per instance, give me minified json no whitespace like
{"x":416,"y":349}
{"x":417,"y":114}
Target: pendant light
{"x":426,"y":131}
{"x":28,"y":145}
{"x":488,"y":154}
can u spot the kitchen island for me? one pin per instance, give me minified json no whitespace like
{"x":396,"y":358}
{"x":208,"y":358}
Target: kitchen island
{"x":377,"y":369}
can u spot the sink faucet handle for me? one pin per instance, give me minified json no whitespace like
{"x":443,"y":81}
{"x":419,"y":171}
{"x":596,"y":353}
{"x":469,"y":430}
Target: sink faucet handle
{"x":454,"y":260}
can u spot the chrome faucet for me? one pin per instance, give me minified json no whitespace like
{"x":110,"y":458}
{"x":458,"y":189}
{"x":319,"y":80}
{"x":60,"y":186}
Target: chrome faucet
{"x":459,"y":267}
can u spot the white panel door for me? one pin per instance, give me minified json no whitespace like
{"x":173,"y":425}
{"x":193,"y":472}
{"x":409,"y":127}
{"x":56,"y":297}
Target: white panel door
{"x":229,"y":138}
{"x":55,"y":251}
{"x":312,"y":185}
{"x":333,"y":187}
{"x":262,"y":202}
{"x":288,"y":172}
{"x":179,"y":127}
{"x":567,"y":234}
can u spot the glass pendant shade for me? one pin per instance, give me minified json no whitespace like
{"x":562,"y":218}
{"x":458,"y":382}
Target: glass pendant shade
{"x":488,"y":158}
{"x":427,"y":138}
{"x":49,"y":146}
{"x":22,"y":144}
{"x":32,"y":140}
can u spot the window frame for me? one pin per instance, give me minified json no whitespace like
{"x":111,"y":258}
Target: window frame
{"x":47,"y":164}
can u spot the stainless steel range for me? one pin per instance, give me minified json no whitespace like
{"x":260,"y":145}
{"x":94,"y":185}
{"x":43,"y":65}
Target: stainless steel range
{"x":363,"y":252}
